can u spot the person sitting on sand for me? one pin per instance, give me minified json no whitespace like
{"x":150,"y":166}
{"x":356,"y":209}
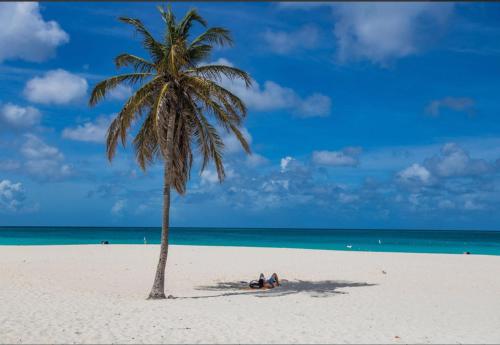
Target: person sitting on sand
{"x":262,"y":283}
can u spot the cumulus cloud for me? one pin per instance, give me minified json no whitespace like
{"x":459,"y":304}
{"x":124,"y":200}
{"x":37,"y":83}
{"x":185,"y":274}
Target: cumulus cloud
{"x":415,"y":174}
{"x":17,"y":117}
{"x":348,"y":157}
{"x":290,"y":183}
{"x":381,"y":32}
{"x":89,"y":131}
{"x":285,"y":162}
{"x":285,"y":184}
{"x":458,"y":104}
{"x":451,"y":180}
{"x":35,"y":148}
{"x":26,"y":35}
{"x":56,"y":87}
{"x":453,"y":161}
{"x":272,"y":96}
{"x":209,"y":176}
{"x":255,"y":160}
{"x":12,"y":196}
{"x":42,"y":161}
{"x":283,"y":42}
{"x":315,"y":105}
{"x":9,"y":165}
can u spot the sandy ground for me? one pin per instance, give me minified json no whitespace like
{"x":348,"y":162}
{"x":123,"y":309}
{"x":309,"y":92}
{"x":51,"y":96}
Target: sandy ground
{"x":96,"y":294}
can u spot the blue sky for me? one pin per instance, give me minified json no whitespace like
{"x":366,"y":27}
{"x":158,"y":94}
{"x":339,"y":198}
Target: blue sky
{"x":361,"y":116}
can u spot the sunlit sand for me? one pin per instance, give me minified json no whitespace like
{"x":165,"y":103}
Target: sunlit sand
{"x":97,"y":294}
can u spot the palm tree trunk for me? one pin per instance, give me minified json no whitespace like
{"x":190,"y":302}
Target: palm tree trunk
{"x":158,"y":290}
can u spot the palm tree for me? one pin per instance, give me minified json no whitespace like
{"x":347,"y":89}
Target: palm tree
{"x":176,"y":99}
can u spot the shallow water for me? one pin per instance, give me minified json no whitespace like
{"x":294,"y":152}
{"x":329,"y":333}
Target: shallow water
{"x":414,"y":241}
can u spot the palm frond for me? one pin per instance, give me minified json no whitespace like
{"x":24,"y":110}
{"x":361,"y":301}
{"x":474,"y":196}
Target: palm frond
{"x":135,"y":105}
{"x":137,"y":63}
{"x":101,"y":89}
{"x":154,"y":48}
{"x":214,"y":35}
{"x":199,"y":53}
{"x":243,"y":141}
{"x":146,"y":142}
{"x":187,"y":22}
{"x":233,"y":104}
{"x":169,"y":19}
{"x":216,"y":72}
{"x":183,"y":104}
{"x":215,"y":146}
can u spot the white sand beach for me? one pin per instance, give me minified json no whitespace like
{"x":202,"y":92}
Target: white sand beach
{"x":97,"y":294}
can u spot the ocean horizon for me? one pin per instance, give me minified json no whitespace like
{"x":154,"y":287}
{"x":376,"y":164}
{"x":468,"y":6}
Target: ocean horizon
{"x":485,"y":242}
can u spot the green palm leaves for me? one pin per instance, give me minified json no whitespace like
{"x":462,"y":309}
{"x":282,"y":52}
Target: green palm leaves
{"x":172,"y":87}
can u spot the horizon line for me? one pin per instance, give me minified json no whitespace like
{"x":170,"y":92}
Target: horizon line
{"x":243,"y":228}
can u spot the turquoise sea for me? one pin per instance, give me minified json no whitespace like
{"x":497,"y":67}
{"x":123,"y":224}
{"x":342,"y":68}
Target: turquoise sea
{"x":414,"y":241}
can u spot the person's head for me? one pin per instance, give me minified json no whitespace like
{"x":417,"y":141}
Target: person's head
{"x":275,"y":277}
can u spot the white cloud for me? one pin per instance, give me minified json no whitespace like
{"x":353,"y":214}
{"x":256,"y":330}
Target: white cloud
{"x":11,"y":195}
{"x":223,"y":61}
{"x":26,"y":35}
{"x":415,"y":188}
{"x":272,"y":96}
{"x":209,"y":176}
{"x":459,"y":104}
{"x":46,"y":169}
{"x":56,"y":87}
{"x":273,"y":186}
{"x":285,"y":162}
{"x":455,"y":161}
{"x":118,"y":207}
{"x":451,"y":180}
{"x":283,"y":42}
{"x":381,"y":32}
{"x":120,"y":92}
{"x":35,"y":148}
{"x":415,"y":174}
{"x":347,"y":157}
{"x":255,"y":160}
{"x":9,"y":165}
{"x":43,"y":161}
{"x":315,"y":105}
{"x":18,"y":117}
{"x":89,"y":131}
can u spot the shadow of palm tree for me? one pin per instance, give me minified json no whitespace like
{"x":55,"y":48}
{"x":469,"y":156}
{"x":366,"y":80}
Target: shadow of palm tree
{"x":322,"y":288}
